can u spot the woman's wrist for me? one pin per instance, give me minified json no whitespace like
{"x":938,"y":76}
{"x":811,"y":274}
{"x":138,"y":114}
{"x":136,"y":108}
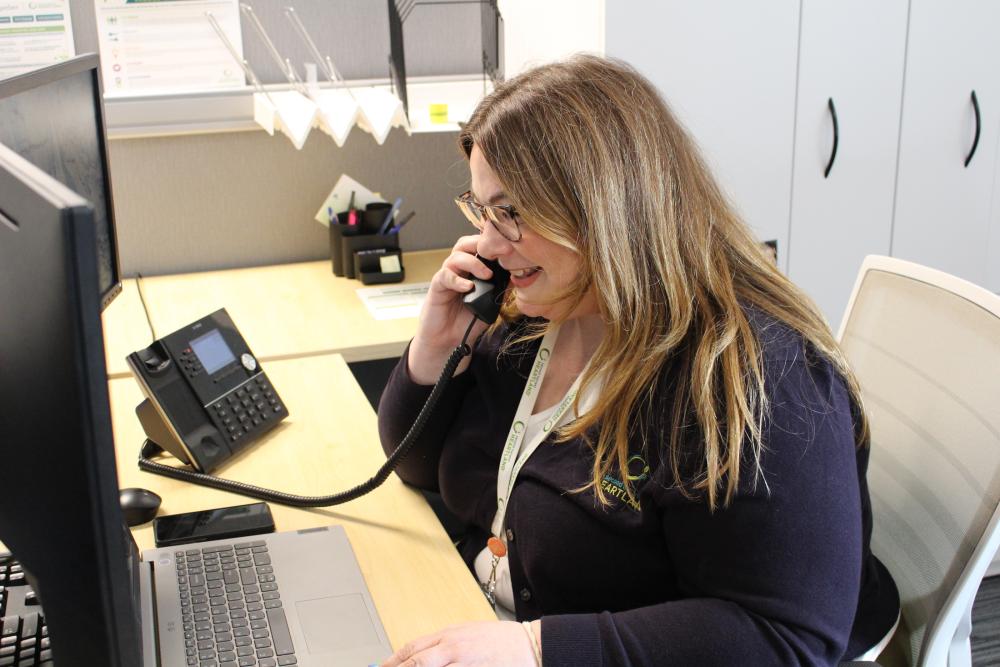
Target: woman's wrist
{"x":424,"y":363}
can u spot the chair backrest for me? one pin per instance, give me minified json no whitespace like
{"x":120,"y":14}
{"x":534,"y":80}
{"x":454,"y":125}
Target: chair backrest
{"x":926,"y":350}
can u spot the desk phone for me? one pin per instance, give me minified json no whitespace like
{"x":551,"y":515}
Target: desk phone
{"x":206,"y":396}
{"x":193,"y":381}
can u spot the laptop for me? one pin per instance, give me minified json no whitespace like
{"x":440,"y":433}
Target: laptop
{"x":287,"y":598}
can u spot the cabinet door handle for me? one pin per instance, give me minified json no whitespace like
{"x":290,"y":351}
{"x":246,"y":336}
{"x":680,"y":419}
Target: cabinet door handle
{"x":975,"y":142}
{"x":836,"y":137}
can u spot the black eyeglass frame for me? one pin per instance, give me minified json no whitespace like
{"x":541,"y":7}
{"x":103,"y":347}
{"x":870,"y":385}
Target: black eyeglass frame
{"x":469,"y":206}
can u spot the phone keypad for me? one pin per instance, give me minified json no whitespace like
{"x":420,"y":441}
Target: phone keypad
{"x":250,"y":406}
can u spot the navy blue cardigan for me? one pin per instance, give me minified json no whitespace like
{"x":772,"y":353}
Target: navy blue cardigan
{"x":776,"y":578}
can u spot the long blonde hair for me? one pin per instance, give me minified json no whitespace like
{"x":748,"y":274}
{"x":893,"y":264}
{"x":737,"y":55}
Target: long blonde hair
{"x":593,"y":159}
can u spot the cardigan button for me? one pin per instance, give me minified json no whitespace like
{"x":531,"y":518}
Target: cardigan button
{"x":510,"y":535}
{"x":525,"y":595}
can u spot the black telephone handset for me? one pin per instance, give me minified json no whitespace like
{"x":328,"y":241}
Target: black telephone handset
{"x":486,"y":297}
{"x":206,"y":395}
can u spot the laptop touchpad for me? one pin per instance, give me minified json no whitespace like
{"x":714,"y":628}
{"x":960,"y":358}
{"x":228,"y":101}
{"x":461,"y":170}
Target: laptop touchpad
{"x":336,"y":624}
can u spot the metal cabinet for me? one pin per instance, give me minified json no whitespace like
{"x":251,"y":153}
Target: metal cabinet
{"x":851,"y":57}
{"x":993,"y":247}
{"x":758,"y":83}
{"x":727,"y":69}
{"x":948,"y":138}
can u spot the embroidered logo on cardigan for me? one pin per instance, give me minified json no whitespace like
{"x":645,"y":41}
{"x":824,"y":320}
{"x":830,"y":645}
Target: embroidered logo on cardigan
{"x":638,"y":472}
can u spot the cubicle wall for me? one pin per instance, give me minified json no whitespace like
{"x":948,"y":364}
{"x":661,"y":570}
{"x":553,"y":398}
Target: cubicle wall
{"x":211,"y":201}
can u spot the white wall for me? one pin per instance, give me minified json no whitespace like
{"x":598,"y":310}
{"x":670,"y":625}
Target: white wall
{"x":539,"y":32}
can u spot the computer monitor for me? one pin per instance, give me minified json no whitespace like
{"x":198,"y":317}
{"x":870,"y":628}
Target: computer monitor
{"x":54,"y":117}
{"x":59,"y":508}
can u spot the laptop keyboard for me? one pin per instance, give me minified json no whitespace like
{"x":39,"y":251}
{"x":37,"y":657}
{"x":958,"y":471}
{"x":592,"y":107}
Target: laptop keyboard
{"x":231,"y":607}
{"x":24,"y":637}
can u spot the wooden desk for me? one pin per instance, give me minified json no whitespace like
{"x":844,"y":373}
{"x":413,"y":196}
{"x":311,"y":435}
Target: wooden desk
{"x":329,"y":443}
{"x":289,"y":310}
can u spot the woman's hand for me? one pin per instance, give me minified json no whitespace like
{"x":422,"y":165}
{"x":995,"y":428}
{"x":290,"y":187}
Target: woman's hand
{"x":484,"y":644}
{"x":444,"y":318}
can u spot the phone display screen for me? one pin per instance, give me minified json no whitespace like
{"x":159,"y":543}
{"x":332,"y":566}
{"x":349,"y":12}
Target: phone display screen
{"x":212,"y":351}
{"x":213,"y":524}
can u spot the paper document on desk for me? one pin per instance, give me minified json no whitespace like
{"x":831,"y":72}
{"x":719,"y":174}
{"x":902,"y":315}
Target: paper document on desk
{"x":394,"y":303}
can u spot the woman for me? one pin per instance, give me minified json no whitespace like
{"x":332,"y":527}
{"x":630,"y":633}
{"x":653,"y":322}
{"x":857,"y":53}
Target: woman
{"x":661,"y":435}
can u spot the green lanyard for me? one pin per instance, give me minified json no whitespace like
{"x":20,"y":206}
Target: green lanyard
{"x":514,"y":457}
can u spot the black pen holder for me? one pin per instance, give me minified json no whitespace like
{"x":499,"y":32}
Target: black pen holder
{"x":372,"y":219}
{"x":337,"y":234}
{"x":352,"y":244}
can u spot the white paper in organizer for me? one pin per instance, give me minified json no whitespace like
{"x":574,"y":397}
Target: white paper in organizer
{"x":338,"y":111}
{"x":380,"y":112}
{"x":346,"y":192}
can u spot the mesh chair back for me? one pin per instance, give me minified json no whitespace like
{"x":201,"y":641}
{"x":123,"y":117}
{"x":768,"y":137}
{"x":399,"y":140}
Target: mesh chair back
{"x":926,"y":350}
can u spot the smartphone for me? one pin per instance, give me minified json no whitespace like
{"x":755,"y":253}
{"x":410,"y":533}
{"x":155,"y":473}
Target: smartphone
{"x":214,"y":524}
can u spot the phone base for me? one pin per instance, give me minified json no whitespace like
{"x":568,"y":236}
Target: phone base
{"x":158,"y":433}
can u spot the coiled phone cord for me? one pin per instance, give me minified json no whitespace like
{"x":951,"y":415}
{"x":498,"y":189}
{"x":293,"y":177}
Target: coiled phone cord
{"x":391,"y":463}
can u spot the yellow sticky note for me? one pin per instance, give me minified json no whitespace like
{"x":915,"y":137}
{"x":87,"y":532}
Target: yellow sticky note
{"x":389,"y":264}
{"x":439,"y":114}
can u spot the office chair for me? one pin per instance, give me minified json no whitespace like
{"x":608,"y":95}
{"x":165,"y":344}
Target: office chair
{"x":926,"y":350}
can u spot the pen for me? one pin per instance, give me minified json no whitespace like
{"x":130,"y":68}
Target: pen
{"x":384,"y":229}
{"x":399,"y":225}
{"x":352,"y":215}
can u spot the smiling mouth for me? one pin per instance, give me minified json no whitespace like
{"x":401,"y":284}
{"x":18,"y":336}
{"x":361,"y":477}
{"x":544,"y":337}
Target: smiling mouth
{"x":524,"y":273}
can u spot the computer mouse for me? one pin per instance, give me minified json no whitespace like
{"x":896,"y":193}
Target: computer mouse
{"x":138,"y":505}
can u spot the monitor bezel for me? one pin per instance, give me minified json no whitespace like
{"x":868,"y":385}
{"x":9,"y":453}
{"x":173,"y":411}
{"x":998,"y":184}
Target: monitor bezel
{"x":50,"y":74}
{"x":110,"y":633}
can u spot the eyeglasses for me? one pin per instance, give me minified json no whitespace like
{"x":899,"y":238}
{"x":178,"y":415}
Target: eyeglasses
{"x":503,"y":217}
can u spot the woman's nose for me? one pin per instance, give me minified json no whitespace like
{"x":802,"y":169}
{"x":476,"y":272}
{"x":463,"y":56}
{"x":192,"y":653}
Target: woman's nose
{"x":492,"y":244}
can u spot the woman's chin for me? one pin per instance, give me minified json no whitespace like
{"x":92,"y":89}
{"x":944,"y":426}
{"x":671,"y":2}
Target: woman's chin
{"x":532,"y":309}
